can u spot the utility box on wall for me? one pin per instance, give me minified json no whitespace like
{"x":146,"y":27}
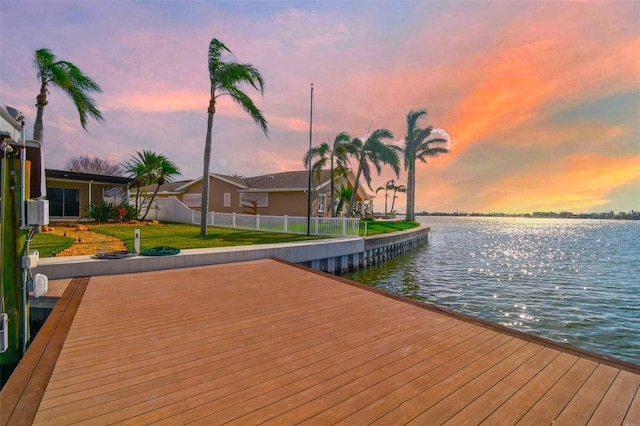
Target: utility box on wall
{"x":37,"y":212}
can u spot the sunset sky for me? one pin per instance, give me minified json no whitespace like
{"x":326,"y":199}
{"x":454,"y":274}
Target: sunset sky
{"x":541,"y":99}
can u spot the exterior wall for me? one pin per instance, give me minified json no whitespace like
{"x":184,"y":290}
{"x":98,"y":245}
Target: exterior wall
{"x":217,"y":189}
{"x":287,"y":203}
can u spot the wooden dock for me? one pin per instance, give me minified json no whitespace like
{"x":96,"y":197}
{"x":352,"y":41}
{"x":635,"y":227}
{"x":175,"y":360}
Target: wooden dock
{"x":268,"y":342}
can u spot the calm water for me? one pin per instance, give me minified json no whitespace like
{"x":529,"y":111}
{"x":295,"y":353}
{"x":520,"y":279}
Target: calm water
{"x":573,"y":281}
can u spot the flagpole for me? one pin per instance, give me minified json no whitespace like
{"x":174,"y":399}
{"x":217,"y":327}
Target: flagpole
{"x":309,"y":183}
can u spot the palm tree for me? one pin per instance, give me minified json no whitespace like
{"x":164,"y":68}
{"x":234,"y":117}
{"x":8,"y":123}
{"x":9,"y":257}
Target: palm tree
{"x":344,"y":195}
{"x":389,"y":186}
{"x":337,"y":158}
{"x":71,"y":80}
{"x":149,"y":168}
{"x":396,"y":189}
{"x":163,"y":172}
{"x":417,"y":146}
{"x":225,"y":77}
{"x":375,"y":151}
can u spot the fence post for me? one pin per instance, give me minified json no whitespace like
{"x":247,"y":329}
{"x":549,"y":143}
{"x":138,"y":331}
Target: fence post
{"x":316,"y":224}
{"x":344,"y":226}
{"x":213,"y":218}
{"x":257,"y":222}
{"x":285,"y":223}
{"x":233,"y":220}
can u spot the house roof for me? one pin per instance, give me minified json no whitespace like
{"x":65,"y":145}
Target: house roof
{"x":272,"y":182}
{"x":86,"y":177}
{"x":287,"y":181}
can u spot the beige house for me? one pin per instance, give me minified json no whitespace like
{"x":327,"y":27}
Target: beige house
{"x":273,"y":194}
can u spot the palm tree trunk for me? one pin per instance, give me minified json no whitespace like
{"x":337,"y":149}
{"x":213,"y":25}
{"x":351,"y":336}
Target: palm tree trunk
{"x":332,"y":188}
{"x":153,"y":197}
{"x":204,"y":206}
{"x":41,"y":101}
{"x":411,"y":178}
{"x":393,"y":201}
{"x":352,"y":201}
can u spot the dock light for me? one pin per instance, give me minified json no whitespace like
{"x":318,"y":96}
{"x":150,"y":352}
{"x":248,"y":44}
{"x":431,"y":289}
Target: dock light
{"x":136,"y":241}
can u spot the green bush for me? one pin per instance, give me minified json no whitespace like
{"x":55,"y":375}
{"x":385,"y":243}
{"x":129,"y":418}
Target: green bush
{"x":103,"y":212}
{"x":108,"y":212}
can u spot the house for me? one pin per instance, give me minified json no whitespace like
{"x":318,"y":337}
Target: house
{"x":71,"y":193}
{"x":276,"y":194}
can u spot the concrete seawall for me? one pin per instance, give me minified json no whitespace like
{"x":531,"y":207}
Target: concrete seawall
{"x":335,"y":255}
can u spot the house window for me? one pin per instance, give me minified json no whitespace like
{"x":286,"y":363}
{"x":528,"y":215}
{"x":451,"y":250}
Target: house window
{"x":227,"y":199}
{"x":192,"y":200}
{"x":254,"y":199}
{"x":64,"y":202}
{"x":322,"y":203}
{"x":114,"y":195}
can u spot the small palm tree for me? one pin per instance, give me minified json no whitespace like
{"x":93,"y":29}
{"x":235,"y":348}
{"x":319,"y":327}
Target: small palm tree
{"x":390,"y":185}
{"x":149,"y":168}
{"x":344,"y":195}
{"x":163,"y":172}
{"x":375,"y":151}
{"x":396,"y":189}
{"x":417,"y":146}
{"x":335,"y":155}
{"x":71,"y":80}
{"x":225,"y":77}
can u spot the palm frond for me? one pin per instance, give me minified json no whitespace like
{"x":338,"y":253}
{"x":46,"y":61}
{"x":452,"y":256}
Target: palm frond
{"x":245,"y":102}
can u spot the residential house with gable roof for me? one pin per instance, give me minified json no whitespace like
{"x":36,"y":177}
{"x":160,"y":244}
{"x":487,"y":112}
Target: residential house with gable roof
{"x":276,"y":194}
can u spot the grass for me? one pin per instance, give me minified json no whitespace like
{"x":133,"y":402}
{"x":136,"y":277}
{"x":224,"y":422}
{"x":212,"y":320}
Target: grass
{"x":184,"y":236}
{"x":384,"y":227}
{"x":47,"y":244}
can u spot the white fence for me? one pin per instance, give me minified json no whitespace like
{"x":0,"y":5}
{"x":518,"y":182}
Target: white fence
{"x":173,"y":210}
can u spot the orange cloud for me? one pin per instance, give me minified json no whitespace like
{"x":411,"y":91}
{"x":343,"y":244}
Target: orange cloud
{"x":578,"y":183}
{"x":522,"y":81}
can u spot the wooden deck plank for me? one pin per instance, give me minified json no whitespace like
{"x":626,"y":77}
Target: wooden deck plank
{"x":268,"y":342}
{"x":493,"y":397}
{"x":617,"y":402}
{"x":556,"y":398}
{"x":27,"y":385}
{"x":457,"y":401}
{"x":580,"y":409}
{"x":334,"y":381}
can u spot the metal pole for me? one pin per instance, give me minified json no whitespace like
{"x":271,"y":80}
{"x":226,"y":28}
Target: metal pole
{"x":309,"y":185}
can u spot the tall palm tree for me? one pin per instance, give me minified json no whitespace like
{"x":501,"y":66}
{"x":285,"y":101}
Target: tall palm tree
{"x":375,"y":151}
{"x":417,"y":146}
{"x":225,"y":78}
{"x":71,"y":80}
{"x":336,"y":156}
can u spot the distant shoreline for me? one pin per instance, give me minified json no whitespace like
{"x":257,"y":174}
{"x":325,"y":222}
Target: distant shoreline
{"x":633,"y":215}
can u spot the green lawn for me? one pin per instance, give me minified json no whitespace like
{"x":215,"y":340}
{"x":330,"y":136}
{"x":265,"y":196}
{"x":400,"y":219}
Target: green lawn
{"x":47,"y":244}
{"x":184,"y":236}
{"x":383,"y":227}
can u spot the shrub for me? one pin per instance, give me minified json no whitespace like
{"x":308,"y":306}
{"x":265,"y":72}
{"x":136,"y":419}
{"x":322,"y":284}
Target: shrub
{"x":103,"y":212}
{"x":107,"y":212}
